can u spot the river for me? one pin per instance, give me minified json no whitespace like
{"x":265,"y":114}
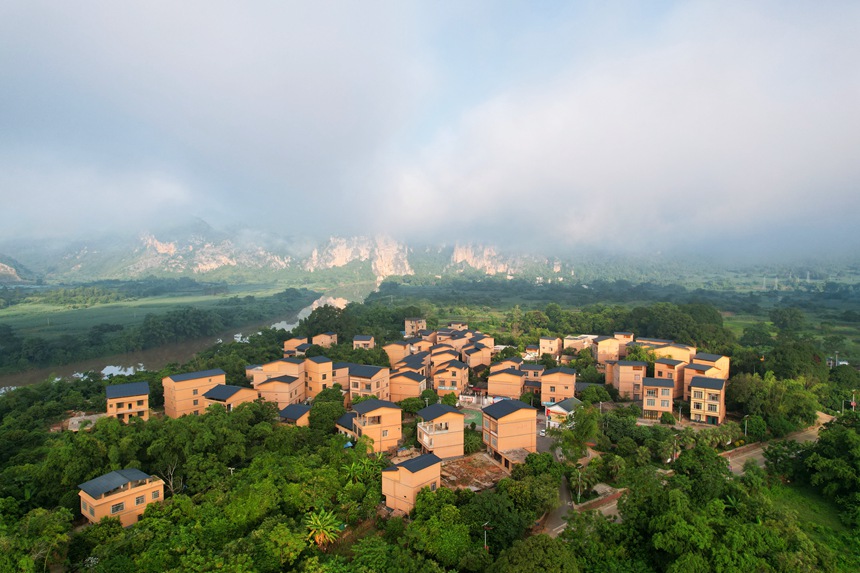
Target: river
{"x":153,"y":358}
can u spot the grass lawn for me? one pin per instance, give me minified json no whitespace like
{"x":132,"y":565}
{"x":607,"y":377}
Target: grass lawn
{"x":473,"y":416}
{"x":819,"y":518}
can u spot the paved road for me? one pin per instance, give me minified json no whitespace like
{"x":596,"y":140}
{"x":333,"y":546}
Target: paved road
{"x":808,"y":435}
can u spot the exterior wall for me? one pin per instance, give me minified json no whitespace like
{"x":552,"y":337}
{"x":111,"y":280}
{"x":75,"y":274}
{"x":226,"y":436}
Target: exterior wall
{"x":186,"y":397}
{"x":555,"y":417}
{"x":275,"y":369}
{"x":383,"y":425}
{"x":623,"y":338}
{"x":458,"y":325}
{"x":721,"y":365}
{"x":451,"y":381}
{"x":577,"y":342}
{"x":690,"y":373}
{"x":400,"y":487}
{"x":281,"y":393}
{"x":396,"y":352}
{"x":552,"y":347}
{"x":240,"y":397}
{"x":365,"y":344}
{"x":628,"y":381}
{"x":94,"y":509}
{"x":325,"y":340}
{"x":483,"y":356}
{"x":440,"y":359}
{"x":605,"y":350}
{"x":655,"y":401}
{"x":505,"y":385}
{"x":378,"y":386}
{"x":503,"y":365}
{"x":516,"y":430}
{"x":443,"y":436}
{"x":670,"y":372}
{"x":674,"y":351}
{"x":411,"y":326}
{"x":124,"y":408}
{"x":318,"y":377}
{"x":708,"y":406}
{"x":556,"y":387}
{"x":291,"y":345}
{"x":402,"y":387}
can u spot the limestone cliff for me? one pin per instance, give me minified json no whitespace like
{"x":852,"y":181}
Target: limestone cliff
{"x":387,"y":256}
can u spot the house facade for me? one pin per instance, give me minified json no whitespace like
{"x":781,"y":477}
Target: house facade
{"x":658,"y":394}
{"x":402,"y":482}
{"x":441,"y":430}
{"x":229,"y":396}
{"x":707,"y":400}
{"x":509,"y":431}
{"x":557,"y":384}
{"x":451,"y":378}
{"x":627,"y":378}
{"x":183,"y":393}
{"x":508,"y":383}
{"x":121,"y":493}
{"x":127,"y":400}
{"x":364,"y":341}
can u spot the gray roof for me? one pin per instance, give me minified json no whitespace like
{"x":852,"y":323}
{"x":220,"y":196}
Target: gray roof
{"x":504,"y":407}
{"x":561,"y":370}
{"x":453,"y":364}
{"x":532,"y":383}
{"x":568,"y":405}
{"x":109,"y":482}
{"x":625,"y":333}
{"x":707,"y":383}
{"x":319,"y":359}
{"x":285,"y":379}
{"x":126,"y":390}
{"x":362,"y":338}
{"x":668,"y":361}
{"x":631,"y":363}
{"x":222,"y":392}
{"x":513,"y":371}
{"x":373,"y":404}
{"x":603,"y":338}
{"x":549,"y":338}
{"x":293,"y":360}
{"x":294,"y":411}
{"x":707,"y":357}
{"x":408,"y":374}
{"x":700,"y":367}
{"x":433,"y":411}
{"x":364,"y":370}
{"x":304,"y":346}
{"x":416,"y":464}
{"x":339,"y":365}
{"x":346,"y":421}
{"x":195,"y":375}
{"x":661,"y":382}
{"x":532,"y":367}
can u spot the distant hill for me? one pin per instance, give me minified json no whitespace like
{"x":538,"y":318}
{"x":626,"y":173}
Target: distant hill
{"x":13,"y":272}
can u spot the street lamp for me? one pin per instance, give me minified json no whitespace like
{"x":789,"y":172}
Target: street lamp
{"x":578,"y":484}
{"x":745,"y":425}
{"x":486,"y":527}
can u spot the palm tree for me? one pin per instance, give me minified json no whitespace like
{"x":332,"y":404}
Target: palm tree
{"x":323,"y":527}
{"x":352,"y":471}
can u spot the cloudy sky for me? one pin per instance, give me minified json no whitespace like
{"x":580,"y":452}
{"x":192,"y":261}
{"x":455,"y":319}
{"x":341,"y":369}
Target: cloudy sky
{"x":649,"y":125}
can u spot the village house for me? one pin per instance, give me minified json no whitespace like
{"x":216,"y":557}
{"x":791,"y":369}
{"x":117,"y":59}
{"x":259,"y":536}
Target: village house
{"x":623,"y":338}
{"x":326,"y":339}
{"x":669,"y":369}
{"x":707,"y":400}
{"x":550,"y":345}
{"x":578,"y":343}
{"x":183,"y":393}
{"x":127,"y":400}
{"x":318,"y":375}
{"x":402,"y":482}
{"x":658,"y":395}
{"x":557,"y":384}
{"x":514,"y":362}
{"x":428,"y":335}
{"x":476,"y":354}
{"x":442,"y":430}
{"x":282,"y":390}
{"x":281,"y":367}
{"x":366,"y":380}
{"x":406,"y":384}
{"x":229,"y":396}
{"x":451,"y":378}
{"x":533,"y":371}
{"x":379,"y":420}
{"x":716,"y":361}
{"x":507,"y":383}
{"x":458,"y":325}
{"x":418,"y":363}
{"x":397,"y":351}
{"x":532,"y":352}
{"x":296,"y":415}
{"x":291,"y":346}
{"x":604,"y":348}
{"x":627,"y":376}
{"x":557,"y":414}
{"x":702,"y":370}
{"x":121,"y":493}
{"x":364,"y":341}
{"x":509,"y":431}
{"x":412,"y":326}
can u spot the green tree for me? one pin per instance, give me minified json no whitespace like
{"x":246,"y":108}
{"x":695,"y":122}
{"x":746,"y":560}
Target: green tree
{"x":536,"y":554}
{"x":323,"y":528}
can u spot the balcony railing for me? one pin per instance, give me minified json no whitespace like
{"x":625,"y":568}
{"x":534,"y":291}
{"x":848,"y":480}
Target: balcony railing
{"x":431,"y":428}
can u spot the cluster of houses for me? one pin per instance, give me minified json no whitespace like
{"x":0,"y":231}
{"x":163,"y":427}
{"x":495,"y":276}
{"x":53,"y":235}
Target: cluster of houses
{"x":439,"y":359}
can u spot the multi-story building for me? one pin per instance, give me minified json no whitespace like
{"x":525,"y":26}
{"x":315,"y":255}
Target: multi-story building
{"x":406,"y":384}
{"x":121,"y":493}
{"x":514,"y":363}
{"x":557,"y":384}
{"x":282,"y":367}
{"x":326,"y":339}
{"x":296,"y":414}
{"x":550,"y":345}
{"x":451,"y":378}
{"x":402,"y":482}
{"x":229,"y":396}
{"x":379,"y":420}
{"x":318,"y":375}
{"x":658,"y":396}
{"x":627,"y":378}
{"x":578,"y":343}
{"x":291,"y":346}
{"x":412,"y":325}
{"x":604,"y":348}
{"x":183,"y":393}
{"x":397,"y":351}
{"x":702,"y":370}
{"x":442,"y":430}
{"x":507,"y":383}
{"x":127,"y":400}
{"x":707,"y":400}
{"x":669,"y":369}
{"x":509,"y":431}
{"x":458,"y":325}
{"x":533,"y":372}
{"x":365,"y":341}
{"x":716,"y":361}
{"x":366,"y":380}
{"x":476,"y":354}
{"x":282,"y":390}
{"x":623,"y":338}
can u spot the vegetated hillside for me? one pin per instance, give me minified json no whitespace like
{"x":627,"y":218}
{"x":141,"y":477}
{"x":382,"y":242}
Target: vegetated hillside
{"x":13,"y":272}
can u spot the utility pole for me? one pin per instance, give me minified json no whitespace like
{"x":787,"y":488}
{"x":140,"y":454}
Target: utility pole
{"x":486,"y":528}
